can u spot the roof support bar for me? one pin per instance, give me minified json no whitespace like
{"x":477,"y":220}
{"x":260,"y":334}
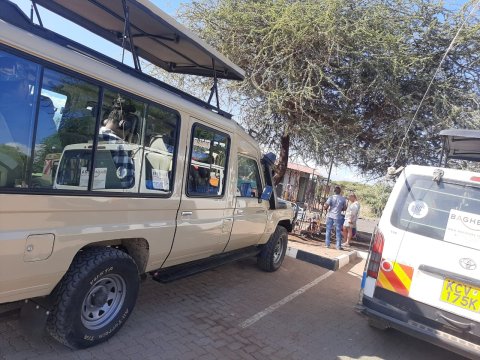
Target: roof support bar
{"x":214,"y":89}
{"x":34,"y":7}
{"x":175,"y":38}
{"x":127,"y":34}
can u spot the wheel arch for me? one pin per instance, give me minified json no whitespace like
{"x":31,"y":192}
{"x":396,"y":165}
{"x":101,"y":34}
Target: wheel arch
{"x":137,"y":248}
{"x":287,"y":224}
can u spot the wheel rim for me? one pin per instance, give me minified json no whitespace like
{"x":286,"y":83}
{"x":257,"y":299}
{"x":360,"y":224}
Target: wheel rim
{"x":103,"y":301}
{"x":278,"y":250}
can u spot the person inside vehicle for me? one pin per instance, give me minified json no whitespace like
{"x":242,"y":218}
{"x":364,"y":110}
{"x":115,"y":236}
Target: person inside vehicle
{"x":116,"y":128}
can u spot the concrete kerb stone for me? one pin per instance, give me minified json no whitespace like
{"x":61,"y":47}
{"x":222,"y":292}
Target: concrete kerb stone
{"x":328,"y":263}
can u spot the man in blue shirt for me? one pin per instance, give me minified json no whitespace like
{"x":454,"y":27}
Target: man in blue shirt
{"x":335,"y":204}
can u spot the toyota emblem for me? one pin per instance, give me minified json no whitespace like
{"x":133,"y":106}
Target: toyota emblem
{"x":467,"y":264}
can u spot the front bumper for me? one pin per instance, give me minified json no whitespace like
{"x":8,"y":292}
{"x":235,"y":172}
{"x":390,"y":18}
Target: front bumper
{"x":426,"y":323}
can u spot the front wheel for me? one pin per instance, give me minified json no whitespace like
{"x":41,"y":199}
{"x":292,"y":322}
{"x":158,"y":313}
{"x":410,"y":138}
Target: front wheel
{"x":94,"y":298}
{"x":273,"y":252}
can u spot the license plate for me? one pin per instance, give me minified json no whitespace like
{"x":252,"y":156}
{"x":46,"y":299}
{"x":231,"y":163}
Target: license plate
{"x":461,"y":295}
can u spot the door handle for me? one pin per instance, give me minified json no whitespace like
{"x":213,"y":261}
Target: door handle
{"x":240,"y":211}
{"x":186,"y":213}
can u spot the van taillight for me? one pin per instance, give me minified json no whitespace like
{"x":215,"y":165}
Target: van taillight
{"x":376,"y":255}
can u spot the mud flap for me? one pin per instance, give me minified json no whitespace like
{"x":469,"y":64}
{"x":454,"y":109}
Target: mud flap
{"x":33,"y":318}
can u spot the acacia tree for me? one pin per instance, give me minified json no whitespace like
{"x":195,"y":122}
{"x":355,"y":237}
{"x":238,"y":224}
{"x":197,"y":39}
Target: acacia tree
{"x":342,"y":79}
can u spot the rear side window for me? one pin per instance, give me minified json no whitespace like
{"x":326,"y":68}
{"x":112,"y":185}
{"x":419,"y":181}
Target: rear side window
{"x":160,"y":141}
{"x":66,"y":124}
{"x":118,"y":148}
{"x":19,"y":80}
{"x":445,"y":211}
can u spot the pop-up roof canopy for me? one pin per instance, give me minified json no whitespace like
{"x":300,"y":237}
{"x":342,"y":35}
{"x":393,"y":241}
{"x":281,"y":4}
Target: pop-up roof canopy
{"x":462,"y":144}
{"x":156,"y":37}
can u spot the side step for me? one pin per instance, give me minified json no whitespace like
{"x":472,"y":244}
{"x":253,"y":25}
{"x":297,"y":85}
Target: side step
{"x":183,"y":270}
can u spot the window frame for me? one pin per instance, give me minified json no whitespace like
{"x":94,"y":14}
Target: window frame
{"x":259,"y":178}
{"x":176,"y":113}
{"x":189,"y":161}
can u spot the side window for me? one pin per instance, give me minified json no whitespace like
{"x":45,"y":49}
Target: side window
{"x":160,"y":140}
{"x":248,"y":181}
{"x":206,"y":170}
{"x":119,"y":151}
{"x":65,"y":132}
{"x":18,"y":99}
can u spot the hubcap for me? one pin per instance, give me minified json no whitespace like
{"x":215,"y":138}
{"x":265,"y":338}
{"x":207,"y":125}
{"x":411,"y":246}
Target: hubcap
{"x":277,"y":251}
{"x":103,"y":301}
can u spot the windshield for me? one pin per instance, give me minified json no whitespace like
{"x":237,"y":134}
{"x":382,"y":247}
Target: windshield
{"x":446,"y":211}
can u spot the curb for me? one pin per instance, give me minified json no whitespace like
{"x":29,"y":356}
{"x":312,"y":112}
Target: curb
{"x":328,"y":263}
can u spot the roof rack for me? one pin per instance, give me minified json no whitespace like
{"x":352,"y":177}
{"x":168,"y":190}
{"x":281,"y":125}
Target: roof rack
{"x":460,"y":144}
{"x":149,"y":33}
{"x":11,"y":13}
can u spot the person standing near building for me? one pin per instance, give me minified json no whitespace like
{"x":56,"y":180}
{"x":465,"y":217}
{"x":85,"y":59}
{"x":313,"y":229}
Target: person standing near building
{"x":351,"y":216}
{"x":335,"y":204}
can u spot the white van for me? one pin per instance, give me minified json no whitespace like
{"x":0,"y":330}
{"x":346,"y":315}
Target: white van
{"x":423,"y":271}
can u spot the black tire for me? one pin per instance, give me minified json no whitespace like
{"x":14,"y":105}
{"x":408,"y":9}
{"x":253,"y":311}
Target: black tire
{"x":94,"y":298}
{"x":273,"y":252}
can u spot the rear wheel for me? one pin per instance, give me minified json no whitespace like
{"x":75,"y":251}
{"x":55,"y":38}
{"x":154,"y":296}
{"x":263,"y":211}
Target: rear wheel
{"x":273,"y":252}
{"x":94,"y":298}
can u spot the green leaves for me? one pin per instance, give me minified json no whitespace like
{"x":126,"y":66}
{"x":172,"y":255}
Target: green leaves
{"x":336,"y":72}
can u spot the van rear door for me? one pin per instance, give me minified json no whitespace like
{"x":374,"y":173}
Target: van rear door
{"x":440,"y":248}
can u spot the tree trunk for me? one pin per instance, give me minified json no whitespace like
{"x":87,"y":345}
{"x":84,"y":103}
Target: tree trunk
{"x":281,"y":167}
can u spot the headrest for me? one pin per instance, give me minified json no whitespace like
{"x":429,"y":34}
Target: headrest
{"x":157,"y":142}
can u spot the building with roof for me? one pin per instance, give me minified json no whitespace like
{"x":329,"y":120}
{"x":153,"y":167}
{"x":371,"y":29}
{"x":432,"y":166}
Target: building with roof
{"x":300,"y":183}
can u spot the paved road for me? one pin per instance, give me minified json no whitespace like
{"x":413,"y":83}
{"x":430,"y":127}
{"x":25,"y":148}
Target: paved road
{"x":201,"y":317}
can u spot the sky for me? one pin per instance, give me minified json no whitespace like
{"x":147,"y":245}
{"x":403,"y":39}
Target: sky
{"x":78,"y":34}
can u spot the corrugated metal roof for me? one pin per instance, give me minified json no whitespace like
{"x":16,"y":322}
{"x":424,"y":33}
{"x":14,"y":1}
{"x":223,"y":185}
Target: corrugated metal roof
{"x":303,"y":168}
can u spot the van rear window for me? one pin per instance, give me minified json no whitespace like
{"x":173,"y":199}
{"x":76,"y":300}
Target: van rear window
{"x":444,"y":211}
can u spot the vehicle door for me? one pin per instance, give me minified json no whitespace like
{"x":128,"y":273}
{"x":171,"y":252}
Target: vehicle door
{"x":201,"y":226}
{"x":438,"y":261}
{"x":250,"y":213}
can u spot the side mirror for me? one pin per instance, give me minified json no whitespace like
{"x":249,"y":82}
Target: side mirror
{"x":267,"y":193}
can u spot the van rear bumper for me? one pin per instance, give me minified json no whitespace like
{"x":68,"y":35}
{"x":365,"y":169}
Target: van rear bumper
{"x":403,"y":321}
